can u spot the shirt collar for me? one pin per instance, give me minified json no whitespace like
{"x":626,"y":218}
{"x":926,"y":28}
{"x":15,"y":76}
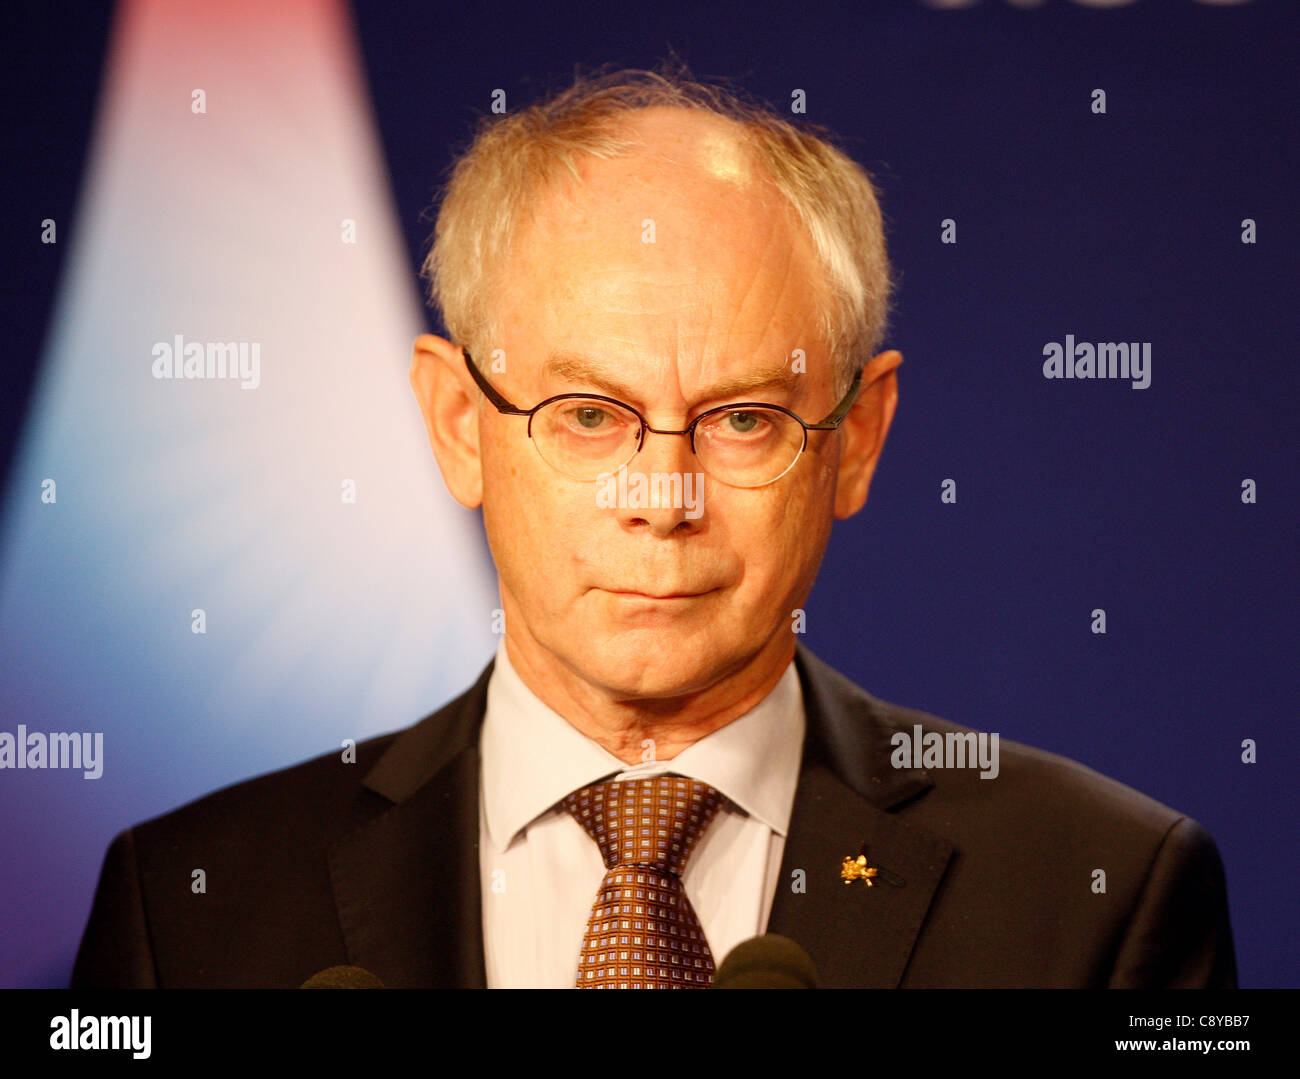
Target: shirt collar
{"x":532,"y":757}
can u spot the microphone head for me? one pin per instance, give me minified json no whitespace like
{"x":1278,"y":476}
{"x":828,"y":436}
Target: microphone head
{"x":766,"y":962}
{"x":343,"y":978}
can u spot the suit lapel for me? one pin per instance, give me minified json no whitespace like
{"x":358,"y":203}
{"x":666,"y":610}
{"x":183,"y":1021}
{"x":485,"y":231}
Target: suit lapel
{"x":857,"y":936}
{"x":407,"y":883}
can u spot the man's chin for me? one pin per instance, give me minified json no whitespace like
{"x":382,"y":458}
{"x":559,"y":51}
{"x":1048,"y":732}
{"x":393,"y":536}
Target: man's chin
{"x":653,"y":662}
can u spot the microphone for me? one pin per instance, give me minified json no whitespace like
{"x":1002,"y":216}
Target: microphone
{"x":343,"y":978}
{"x":766,"y":962}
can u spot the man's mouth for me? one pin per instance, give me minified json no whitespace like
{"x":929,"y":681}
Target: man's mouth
{"x":655,"y":595}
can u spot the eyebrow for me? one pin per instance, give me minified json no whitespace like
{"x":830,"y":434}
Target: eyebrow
{"x":574,"y":367}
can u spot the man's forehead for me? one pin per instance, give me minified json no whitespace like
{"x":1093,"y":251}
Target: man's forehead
{"x":681,"y":248}
{"x":689,"y":199}
{"x":611,"y":375}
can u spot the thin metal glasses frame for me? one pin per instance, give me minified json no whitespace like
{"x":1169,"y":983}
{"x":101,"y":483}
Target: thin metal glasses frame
{"x":830,"y":423}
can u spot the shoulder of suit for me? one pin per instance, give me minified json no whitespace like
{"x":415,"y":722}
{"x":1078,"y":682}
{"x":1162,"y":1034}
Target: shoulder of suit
{"x":1025,"y":770}
{"x":1031,"y":785}
{"x":325,"y":796}
{"x":320,"y":790}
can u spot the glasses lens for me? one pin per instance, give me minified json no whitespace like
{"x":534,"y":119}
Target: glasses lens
{"x":584,"y":437}
{"x":748,"y":447}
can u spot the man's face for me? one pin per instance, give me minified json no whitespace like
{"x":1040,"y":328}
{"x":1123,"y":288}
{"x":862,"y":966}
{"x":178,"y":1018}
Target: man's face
{"x":666,"y":275}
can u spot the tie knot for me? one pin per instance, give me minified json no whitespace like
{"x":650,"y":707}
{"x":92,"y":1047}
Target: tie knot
{"x":648,"y":822}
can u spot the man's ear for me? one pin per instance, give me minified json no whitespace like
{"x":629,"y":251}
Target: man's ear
{"x":864,"y":430}
{"x":449,"y":401}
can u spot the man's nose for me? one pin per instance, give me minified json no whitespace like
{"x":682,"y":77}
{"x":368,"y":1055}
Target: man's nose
{"x":673,"y":480}
{"x":665,"y":453}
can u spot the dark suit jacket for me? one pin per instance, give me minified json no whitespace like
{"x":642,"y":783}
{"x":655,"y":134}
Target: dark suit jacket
{"x":375,"y":864}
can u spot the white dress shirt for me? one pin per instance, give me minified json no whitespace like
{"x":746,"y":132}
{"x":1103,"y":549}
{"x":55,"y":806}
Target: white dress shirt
{"x":541,"y":871}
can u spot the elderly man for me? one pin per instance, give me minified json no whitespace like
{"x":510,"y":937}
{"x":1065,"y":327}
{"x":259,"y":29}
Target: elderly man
{"x":661,"y":391}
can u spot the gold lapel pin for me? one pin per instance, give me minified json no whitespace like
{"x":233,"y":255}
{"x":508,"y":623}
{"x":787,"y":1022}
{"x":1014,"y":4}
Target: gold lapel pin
{"x":852,"y":869}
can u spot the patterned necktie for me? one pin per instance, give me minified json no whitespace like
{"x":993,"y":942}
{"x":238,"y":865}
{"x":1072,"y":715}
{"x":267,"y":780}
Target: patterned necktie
{"x":643,"y":933}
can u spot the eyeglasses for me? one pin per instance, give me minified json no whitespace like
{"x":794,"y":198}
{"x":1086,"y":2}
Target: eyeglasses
{"x":588,"y":436}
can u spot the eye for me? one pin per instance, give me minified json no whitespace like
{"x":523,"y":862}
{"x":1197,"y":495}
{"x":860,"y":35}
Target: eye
{"x":741,"y":423}
{"x":589,"y":416}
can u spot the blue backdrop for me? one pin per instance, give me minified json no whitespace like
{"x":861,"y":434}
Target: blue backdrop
{"x":1168,"y":218}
